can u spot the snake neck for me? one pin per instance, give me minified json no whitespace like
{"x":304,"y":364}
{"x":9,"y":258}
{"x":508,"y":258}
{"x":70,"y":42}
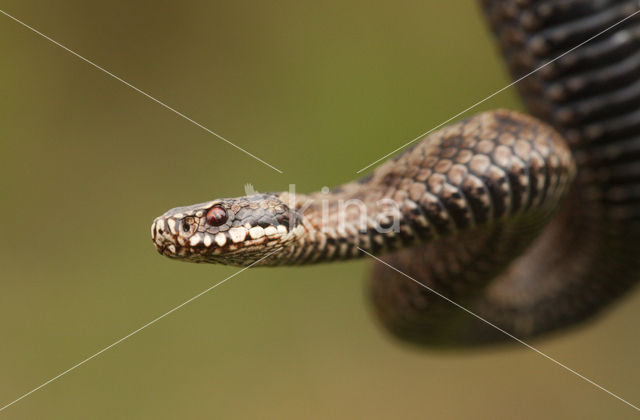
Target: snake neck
{"x":338,"y":224}
{"x":495,"y":168}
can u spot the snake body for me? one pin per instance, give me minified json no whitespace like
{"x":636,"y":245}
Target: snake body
{"x":532,"y":222}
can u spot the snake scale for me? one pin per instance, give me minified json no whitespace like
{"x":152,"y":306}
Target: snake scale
{"x":532,"y":222}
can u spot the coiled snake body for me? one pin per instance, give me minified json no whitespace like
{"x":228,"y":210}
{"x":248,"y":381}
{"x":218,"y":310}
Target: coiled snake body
{"x":532,"y":225}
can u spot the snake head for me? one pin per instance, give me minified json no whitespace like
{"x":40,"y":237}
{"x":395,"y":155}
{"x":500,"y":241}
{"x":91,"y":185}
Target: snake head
{"x":232,"y":231}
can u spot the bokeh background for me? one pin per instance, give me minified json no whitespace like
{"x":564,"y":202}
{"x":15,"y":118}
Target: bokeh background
{"x":317,"y":89}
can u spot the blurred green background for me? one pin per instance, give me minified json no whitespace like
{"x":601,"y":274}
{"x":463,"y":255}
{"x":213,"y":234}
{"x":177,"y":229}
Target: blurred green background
{"x":317,"y":89}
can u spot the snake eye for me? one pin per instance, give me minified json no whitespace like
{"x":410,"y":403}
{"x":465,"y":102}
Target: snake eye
{"x":216,"y":216}
{"x":185,"y":226}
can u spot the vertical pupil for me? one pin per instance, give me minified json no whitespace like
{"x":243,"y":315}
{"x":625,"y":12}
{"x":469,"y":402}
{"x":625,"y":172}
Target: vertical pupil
{"x":216,"y":216}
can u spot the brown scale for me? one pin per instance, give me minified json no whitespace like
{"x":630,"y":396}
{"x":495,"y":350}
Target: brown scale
{"x":480,"y":181}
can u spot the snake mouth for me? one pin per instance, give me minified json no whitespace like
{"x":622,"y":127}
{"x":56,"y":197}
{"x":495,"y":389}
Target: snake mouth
{"x":202,"y":246}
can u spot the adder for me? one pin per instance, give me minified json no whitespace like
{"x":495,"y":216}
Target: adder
{"x":530,"y":221}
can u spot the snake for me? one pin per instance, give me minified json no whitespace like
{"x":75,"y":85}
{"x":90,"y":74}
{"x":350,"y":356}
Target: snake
{"x":530,"y":220}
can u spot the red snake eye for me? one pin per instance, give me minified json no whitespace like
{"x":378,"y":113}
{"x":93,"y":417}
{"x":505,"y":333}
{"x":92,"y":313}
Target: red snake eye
{"x":216,"y":216}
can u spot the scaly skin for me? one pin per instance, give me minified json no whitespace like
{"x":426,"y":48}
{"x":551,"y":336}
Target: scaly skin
{"x":481,"y":207}
{"x":587,"y":256}
{"x":492,"y":172}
